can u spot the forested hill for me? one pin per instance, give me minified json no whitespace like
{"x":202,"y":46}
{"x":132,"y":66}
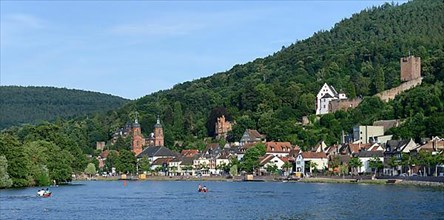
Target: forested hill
{"x":359,"y":56}
{"x":33,"y":104}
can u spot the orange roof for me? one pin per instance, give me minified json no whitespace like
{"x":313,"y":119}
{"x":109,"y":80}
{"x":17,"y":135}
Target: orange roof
{"x":278,"y":146}
{"x":311,"y":154}
{"x":285,"y":159}
{"x":189,"y":153}
{"x":161,"y":161}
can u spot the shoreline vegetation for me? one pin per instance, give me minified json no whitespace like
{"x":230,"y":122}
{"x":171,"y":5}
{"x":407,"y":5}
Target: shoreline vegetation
{"x":348,"y":180}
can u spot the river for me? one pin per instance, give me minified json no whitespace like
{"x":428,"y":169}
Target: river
{"x":225,"y":200}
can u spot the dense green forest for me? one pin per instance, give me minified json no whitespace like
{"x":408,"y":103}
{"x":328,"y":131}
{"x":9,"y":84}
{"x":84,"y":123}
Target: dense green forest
{"x":36,"y":104}
{"x":359,"y":56}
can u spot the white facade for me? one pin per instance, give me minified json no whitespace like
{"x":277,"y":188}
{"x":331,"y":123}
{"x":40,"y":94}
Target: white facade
{"x":366,"y":164}
{"x":324,"y":96}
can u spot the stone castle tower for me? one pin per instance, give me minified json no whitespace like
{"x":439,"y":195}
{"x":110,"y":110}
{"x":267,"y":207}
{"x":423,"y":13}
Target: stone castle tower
{"x":137,"y":139}
{"x":410,"y":68}
{"x":222,"y":127}
{"x":158,"y":133}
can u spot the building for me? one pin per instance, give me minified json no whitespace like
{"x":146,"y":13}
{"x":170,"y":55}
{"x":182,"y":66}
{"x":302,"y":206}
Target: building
{"x":100,"y":145}
{"x":306,"y":162}
{"x":367,"y":134}
{"x":410,"y":68}
{"x":154,"y":153}
{"x":325,"y":95}
{"x":279,"y":149}
{"x":252,"y":137}
{"x":366,"y":156}
{"x":158,"y":133}
{"x":137,"y":140}
{"x":222,"y":127}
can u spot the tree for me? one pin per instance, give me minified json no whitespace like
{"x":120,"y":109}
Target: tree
{"x":287,"y":166}
{"x":313,"y":167}
{"x":233,"y":170}
{"x":144,"y":165}
{"x":272,"y":169}
{"x":355,"y":163}
{"x":19,"y":165}
{"x":5,"y":181}
{"x":375,"y":163}
{"x":90,"y":169}
{"x":126,"y":162}
{"x":250,"y":161}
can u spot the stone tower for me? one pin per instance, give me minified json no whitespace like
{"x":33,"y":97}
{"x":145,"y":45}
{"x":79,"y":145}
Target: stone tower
{"x":137,"y":139}
{"x":158,"y":133}
{"x":222,"y":127}
{"x":410,"y":68}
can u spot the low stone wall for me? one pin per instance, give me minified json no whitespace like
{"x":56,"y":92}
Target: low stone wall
{"x":391,"y":93}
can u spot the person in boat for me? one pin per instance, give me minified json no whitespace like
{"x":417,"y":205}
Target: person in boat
{"x":199,"y":188}
{"x":204,"y":189}
{"x":41,"y":192}
{"x":47,"y":191}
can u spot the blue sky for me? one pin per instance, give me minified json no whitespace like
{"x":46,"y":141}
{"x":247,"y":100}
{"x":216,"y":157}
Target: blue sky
{"x":134,"y":48}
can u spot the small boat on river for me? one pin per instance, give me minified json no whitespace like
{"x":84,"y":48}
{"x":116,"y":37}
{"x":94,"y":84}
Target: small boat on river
{"x":44,"y":193}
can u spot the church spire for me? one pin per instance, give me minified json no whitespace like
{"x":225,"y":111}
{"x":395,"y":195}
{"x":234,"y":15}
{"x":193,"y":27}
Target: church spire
{"x":136,"y":121}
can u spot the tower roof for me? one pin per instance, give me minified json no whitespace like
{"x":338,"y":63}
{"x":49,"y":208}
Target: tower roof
{"x":158,"y":125}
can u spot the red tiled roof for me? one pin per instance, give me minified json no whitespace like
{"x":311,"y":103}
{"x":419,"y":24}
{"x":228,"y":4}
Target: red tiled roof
{"x":160,"y":161}
{"x":254,"y":133}
{"x":284,"y":159}
{"x":105,"y":153}
{"x":310,"y":154}
{"x":189,"y":153}
{"x":278,"y":147}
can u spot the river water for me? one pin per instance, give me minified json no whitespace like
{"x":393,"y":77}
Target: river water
{"x":225,"y":200}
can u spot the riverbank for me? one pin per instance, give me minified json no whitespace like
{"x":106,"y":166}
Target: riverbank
{"x":332,"y":180}
{"x":374,"y":181}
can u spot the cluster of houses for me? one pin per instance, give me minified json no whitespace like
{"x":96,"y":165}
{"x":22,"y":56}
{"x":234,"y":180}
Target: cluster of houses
{"x":368,"y":143}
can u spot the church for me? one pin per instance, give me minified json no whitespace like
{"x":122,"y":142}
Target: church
{"x":139,"y":143}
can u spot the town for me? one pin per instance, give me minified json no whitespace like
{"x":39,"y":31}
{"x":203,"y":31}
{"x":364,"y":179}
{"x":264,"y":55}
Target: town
{"x":366,"y":151}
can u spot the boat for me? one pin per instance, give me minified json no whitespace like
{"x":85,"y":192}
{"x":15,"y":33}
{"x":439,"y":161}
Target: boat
{"x":44,"y":193}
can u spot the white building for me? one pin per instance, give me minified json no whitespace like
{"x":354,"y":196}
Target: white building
{"x":325,"y":95}
{"x":366,"y":156}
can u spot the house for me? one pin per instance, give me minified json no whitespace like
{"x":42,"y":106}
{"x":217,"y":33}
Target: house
{"x":161,"y":164}
{"x":366,"y":156}
{"x":354,"y":149}
{"x":305,"y":160}
{"x":367,"y":134}
{"x":375,"y":147}
{"x":211,"y":150}
{"x":387,"y":124}
{"x":154,"y":153}
{"x":320,"y":147}
{"x":174,"y":168}
{"x":189,"y":153}
{"x":395,"y":149}
{"x":326,"y":94}
{"x":204,"y":166}
{"x":271,"y":160}
{"x":240,"y":151}
{"x":280,"y":149}
{"x":436,"y":144}
{"x":251,"y":137}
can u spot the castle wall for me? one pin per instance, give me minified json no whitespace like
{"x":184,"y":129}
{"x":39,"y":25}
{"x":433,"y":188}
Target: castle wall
{"x":343,"y":104}
{"x":391,"y":93}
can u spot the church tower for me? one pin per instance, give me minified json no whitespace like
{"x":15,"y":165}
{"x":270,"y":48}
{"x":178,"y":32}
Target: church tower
{"x":158,"y":133}
{"x":137,"y":139}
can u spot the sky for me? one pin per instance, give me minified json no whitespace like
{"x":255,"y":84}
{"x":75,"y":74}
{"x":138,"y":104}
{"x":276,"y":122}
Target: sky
{"x":134,"y":48}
